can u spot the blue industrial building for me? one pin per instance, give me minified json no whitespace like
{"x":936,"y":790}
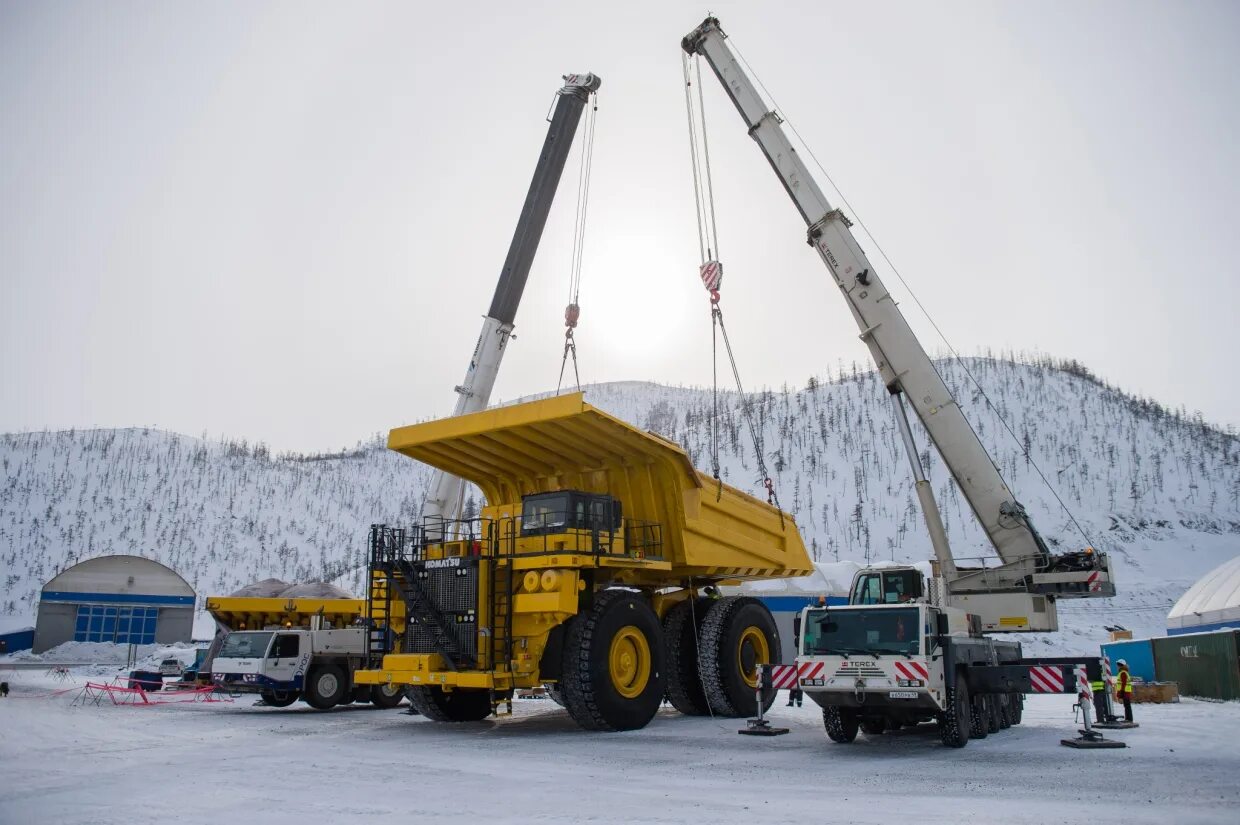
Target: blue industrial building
{"x":118,"y":599}
{"x":15,"y":640}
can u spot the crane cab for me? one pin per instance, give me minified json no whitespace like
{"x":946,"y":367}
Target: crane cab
{"x":888,"y":585}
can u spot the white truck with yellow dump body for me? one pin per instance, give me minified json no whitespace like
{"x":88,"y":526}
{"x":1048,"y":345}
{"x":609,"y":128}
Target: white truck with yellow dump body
{"x":290,"y":649}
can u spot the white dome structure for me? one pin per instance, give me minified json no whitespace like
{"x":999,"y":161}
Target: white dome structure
{"x":1213,"y":603}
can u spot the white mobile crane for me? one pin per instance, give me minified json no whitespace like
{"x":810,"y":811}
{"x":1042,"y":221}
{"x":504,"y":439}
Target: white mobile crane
{"x":474,"y":393}
{"x":908,"y":649}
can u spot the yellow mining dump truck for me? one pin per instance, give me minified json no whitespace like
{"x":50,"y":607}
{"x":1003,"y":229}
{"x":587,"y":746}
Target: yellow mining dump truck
{"x":589,"y":570}
{"x":300,"y":648}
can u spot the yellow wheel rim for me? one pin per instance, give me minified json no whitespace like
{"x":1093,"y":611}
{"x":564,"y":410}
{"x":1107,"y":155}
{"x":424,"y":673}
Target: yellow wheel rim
{"x":752,"y":650}
{"x":629,"y":662}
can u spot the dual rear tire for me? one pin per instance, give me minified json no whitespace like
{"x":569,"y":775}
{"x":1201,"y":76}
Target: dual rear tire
{"x":714,"y":649}
{"x":620,"y":661}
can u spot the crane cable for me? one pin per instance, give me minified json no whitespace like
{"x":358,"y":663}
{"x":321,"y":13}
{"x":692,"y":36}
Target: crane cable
{"x":572,"y":312}
{"x":711,"y":273}
{"x":925,"y":312}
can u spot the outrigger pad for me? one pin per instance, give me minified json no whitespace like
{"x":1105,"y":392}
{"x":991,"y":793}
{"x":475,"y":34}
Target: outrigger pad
{"x":761,"y":727}
{"x":1087,"y":744}
{"x":1119,"y":725}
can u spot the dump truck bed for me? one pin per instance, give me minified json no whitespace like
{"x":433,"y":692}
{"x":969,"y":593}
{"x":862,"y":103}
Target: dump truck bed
{"x":253,"y":613}
{"x":710,"y":530}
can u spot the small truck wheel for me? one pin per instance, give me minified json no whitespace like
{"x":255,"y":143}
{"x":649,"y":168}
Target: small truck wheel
{"x":979,"y":717}
{"x":279,"y":698}
{"x":955,"y":721}
{"x":841,"y":724}
{"x":326,"y":687}
{"x":386,"y":696}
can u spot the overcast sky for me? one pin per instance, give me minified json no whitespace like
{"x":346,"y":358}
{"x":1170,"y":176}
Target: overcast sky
{"x":283,"y":221}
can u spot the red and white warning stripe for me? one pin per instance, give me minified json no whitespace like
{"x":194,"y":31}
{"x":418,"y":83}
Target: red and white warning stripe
{"x":1046,"y":679}
{"x":810,"y":670}
{"x":1095,"y":583}
{"x":711,"y":273}
{"x":1083,"y":687}
{"x":1107,"y":678}
{"x":911,"y":670}
{"x":782,"y":677}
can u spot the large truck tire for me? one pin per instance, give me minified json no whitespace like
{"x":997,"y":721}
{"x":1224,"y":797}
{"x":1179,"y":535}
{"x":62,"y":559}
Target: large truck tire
{"x":841,"y":724}
{"x":458,"y":705}
{"x":386,"y":696}
{"x":326,"y":687}
{"x":613,"y":675}
{"x":738,"y":634}
{"x":279,"y":698}
{"x":684,"y":684}
{"x":979,"y":717}
{"x":955,"y":722}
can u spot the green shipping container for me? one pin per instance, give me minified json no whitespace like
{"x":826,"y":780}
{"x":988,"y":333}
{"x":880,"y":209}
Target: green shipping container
{"x":1202,"y":664}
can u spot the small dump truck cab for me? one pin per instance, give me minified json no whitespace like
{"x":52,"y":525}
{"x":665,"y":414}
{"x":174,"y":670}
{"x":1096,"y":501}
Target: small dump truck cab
{"x":586,"y":571}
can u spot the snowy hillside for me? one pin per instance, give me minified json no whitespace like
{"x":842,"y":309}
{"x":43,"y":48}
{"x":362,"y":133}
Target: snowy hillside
{"x":1158,"y":489}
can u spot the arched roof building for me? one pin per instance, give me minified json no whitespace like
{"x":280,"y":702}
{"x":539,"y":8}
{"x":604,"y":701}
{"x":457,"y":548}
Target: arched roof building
{"x":119,"y":599}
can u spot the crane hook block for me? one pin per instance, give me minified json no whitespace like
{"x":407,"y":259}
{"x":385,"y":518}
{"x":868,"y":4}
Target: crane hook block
{"x":711,"y":274}
{"x":571,"y":313}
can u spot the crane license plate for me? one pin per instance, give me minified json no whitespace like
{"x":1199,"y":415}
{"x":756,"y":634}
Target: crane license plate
{"x":902,"y":694}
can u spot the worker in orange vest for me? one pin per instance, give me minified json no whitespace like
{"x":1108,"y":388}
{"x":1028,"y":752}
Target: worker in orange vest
{"x":1123,"y":689}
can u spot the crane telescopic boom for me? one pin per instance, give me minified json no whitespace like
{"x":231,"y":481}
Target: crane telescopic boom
{"x":1026,"y":564}
{"x":474,"y":393}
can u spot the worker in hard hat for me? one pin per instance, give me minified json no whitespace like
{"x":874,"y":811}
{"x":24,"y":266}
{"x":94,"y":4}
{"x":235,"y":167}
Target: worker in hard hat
{"x":1123,"y":689}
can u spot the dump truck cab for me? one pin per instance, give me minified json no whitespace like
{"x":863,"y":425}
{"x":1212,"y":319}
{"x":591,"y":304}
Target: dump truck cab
{"x":584,"y":571}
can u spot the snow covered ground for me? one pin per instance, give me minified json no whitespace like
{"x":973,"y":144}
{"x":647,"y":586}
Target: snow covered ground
{"x":235,"y":762}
